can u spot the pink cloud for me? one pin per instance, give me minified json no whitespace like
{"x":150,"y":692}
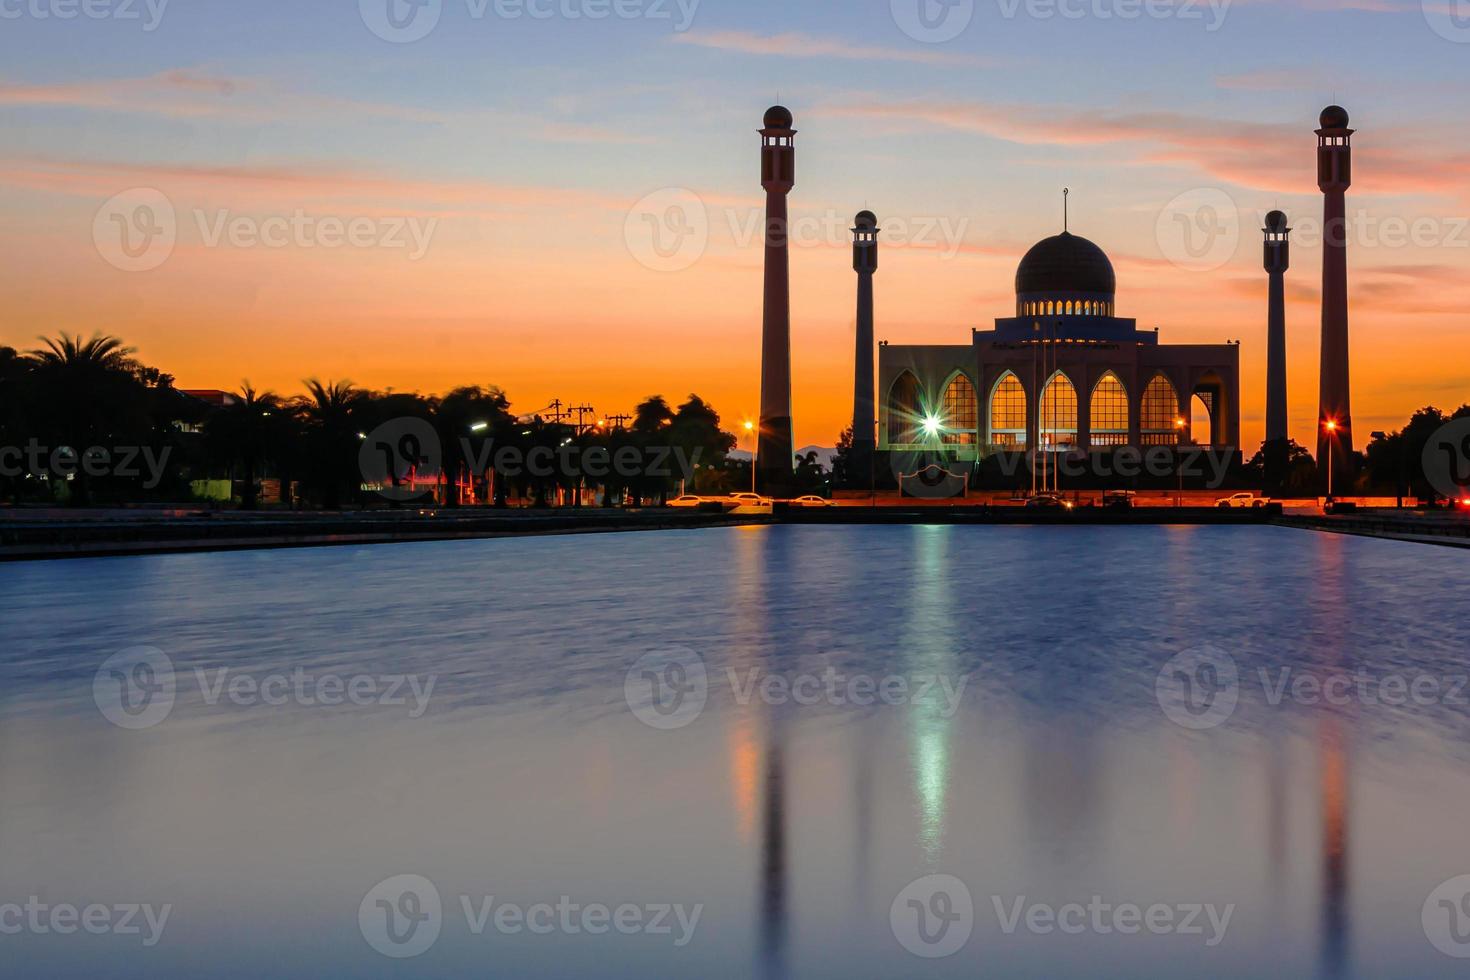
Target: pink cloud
{"x":1265,"y":156}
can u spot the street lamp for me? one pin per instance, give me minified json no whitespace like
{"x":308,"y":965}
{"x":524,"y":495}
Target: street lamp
{"x":750,"y":431}
{"x":1179,"y":461}
{"x":1331,"y":437}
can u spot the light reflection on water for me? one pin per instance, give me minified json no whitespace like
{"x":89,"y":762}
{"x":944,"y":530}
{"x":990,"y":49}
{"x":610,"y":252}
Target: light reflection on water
{"x":795,"y":826}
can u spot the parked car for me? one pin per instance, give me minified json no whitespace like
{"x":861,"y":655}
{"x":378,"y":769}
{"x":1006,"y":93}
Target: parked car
{"x":1118,"y":499}
{"x":688,"y":500}
{"x":1241,"y":500}
{"x":748,"y":498}
{"x":812,"y":500}
{"x":1047,"y":501}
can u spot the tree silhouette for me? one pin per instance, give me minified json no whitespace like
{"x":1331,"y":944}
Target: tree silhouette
{"x":331,"y":412}
{"x":251,"y":429}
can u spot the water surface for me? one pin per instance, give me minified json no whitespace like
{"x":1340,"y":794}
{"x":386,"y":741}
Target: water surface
{"x":1046,"y":773}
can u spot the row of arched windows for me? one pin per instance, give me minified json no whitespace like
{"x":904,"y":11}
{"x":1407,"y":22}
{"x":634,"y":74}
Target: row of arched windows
{"x":955,"y":419}
{"x":1081,"y":307}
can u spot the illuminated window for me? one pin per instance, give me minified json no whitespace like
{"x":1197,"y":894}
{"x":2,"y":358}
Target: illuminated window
{"x":904,"y":414}
{"x":1109,"y":412}
{"x":1159,"y":419}
{"x":960,"y":412}
{"x":1008,"y":412}
{"x":1059,"y":412}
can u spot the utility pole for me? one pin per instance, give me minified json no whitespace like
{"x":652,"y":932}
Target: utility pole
{"x":583,"y":411}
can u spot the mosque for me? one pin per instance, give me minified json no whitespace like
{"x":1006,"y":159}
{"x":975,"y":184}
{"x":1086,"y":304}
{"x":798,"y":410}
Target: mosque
{"x":1063,"y":372}
{"x":1097,"y":380}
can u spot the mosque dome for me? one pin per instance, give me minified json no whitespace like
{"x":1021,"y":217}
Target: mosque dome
{"x":778,"y":117}
{"x":1065,"y":264}
{"x":1276,"y":222}
{"x":865,"y":221}
{"x":1334,"y":117}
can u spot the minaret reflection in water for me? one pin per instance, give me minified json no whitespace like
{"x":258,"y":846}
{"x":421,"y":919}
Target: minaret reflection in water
{"x":762,"y":614}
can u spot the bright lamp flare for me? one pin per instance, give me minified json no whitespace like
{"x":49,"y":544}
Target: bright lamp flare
{"x":931,"y":425}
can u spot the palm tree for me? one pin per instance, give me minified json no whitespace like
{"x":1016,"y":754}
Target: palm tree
{"x":89,"y":393}
{"x":330,"y":411}
{"x":102,"y":352}
{"x":247,"y":430}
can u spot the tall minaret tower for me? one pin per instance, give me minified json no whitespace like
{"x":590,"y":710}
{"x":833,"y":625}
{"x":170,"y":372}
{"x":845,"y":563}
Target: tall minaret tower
{"x":864,"y":420}
{"x":1278,"y":260}
{"x":1335,"y":176}
{"x":776,"y":454}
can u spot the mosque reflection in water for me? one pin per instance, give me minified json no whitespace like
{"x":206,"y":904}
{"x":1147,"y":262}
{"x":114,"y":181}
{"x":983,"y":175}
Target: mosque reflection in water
{"x":1060,"y":786}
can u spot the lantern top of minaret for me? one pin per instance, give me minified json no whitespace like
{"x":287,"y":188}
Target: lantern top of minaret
{"x":1334,"y":117}
{"x":778,"y":117}
{"x":1276,"y":222}
{"x":865,"y":221}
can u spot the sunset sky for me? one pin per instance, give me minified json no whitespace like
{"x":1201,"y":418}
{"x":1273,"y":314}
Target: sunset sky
{"x":531,"y":153}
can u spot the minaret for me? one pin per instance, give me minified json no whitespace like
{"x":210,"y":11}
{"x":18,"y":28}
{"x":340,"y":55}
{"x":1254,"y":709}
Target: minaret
{"x":776,"y":454}
{"x":864,"y":421}
{"x":1278,"y":260}
{"x":1335,"y":176}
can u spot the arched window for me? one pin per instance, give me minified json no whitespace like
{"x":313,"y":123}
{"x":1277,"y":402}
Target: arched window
{"x":904,"y":413}
{"x":959,"y":416}
{"x":1159,"y":419}
{"x":1008,"y":412}
{"x":1109,"y":412}
{"x":1059,"y":412}
{"x":1202,"y":418}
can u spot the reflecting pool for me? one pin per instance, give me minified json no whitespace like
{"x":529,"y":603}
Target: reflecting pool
{"x":776,"y":752}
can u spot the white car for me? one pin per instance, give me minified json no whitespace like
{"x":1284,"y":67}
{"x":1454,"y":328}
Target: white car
{"x":812,"y":500}
{"x":688,"y":500}
{"x":1241,"y":500}
{"x":749,"y":498}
